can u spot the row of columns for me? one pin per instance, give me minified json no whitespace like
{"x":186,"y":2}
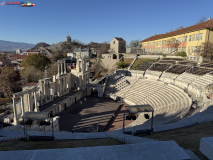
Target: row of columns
{"x":22,"y":105}
{"x":62,"y":72}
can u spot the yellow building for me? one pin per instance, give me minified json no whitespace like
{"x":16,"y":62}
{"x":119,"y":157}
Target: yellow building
{"x":186,"y":39}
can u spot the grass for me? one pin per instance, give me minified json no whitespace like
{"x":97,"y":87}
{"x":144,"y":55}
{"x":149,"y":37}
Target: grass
{"x":188,"y":137}
{"x":141,"y":60}
{"x":33,"y":145}
{"x":128,"y":61}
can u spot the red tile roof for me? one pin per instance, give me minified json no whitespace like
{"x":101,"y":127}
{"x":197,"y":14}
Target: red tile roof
{"x":33,"y":51}
{"x":207,"y":24}
{"x":18,"y":56}
{"x":120,"y":39}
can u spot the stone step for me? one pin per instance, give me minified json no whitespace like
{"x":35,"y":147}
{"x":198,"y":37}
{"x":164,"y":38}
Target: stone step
{"x":206,"y":146}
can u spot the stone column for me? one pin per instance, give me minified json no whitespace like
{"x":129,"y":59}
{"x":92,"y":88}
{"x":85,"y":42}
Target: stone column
{"x":39,"y":93}
{"x":62,"y":85}
{"x":65,"y":71}
{"x":80,"y":81}
{"x":15,"y":111}
{"x":59,"y":88}
{"x":58,"y":70}
{"x":29,"y":102}
{"x":65,"y":84}
{"x":83,"y":81}
{"x":49,"y":89}
{"x":61,"y":68}
{"x":35,"y":98}
{"x":22,"y":106}
{"x":45,"y":95}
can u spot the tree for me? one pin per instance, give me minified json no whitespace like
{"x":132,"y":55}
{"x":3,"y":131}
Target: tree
{"x":31,"y":74}
{"x":135,"y":44}
{"x":103,"y":48}
{"x":34,"y":66}
{"x":206,"y":50}
{"x":181,"y":27}
{"x":37,"y":61}
{"x":6,"y":86}
{"x":172,"y":43}
{"x":201,"y":20}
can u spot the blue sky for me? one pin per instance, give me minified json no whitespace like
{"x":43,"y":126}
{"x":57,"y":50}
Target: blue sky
{"x":97,"y":20}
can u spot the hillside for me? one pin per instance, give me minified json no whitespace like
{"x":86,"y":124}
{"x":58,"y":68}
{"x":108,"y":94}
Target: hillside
{"x":38,"y":45}
{"x":12,"y":46}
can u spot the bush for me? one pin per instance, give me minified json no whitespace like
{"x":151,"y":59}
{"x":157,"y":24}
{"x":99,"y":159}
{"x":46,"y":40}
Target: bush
{"x":121,"y":64}
{"x":183,"y":54}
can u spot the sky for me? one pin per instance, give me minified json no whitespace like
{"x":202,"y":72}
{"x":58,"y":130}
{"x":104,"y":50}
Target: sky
{"x":50,"y":21}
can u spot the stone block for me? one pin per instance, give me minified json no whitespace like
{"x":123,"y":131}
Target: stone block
{"x":206,"y":146}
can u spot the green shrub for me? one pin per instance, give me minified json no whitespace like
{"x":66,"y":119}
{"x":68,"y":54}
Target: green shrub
{"x":183,"y":54}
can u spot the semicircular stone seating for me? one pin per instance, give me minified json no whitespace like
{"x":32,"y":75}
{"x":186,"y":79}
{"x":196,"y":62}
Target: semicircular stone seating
{"x":168,"y":101}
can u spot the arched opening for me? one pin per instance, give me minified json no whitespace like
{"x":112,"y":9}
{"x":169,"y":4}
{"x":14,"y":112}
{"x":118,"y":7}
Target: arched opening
{"x":94,"y":92}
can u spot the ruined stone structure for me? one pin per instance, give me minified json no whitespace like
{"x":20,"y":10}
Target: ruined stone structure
{"x":33,"y":98}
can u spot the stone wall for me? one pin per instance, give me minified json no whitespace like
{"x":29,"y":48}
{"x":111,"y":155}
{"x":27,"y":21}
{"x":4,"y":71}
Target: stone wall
{"x":109,"y":63}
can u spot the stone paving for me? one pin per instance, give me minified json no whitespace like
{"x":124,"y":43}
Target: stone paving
{"x":92,"y":112}
{"x":165,"y":150}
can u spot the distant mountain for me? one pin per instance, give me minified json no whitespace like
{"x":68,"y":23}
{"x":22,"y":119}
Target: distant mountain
{"x":12,"y":46}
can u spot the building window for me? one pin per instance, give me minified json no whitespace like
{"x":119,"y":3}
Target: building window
{"x":201,"y":36}
{"x":193,"y":37}
{"x":197,"y":37}
{"x":190,"y":37}
{"x":198,"y":58}
{"x":195,"y":58}
{"x":192,"y":49}
{"x":186,"y":39}
{"x":196,"y":49}
{"x":183,"y":38}
{"x":180,"y":39}
{"x":189,"y":50}
{"x":190,"y":58}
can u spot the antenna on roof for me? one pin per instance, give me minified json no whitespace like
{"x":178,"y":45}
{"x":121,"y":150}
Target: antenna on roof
{"x":68,"y":33}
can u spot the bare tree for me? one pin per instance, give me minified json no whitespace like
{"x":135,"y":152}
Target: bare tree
{"x":207,"y":50}
{"x":134,"y":44}
{"x":6,"y":85}
{"x":181,"y":27}
{"x":172,"y":43}
{"x":201,"y":20}
{"x":103,"y":48}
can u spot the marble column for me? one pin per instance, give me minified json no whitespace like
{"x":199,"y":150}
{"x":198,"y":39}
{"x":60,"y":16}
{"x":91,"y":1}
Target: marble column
{"x":48,"y":84}
{"x":62,"y":85}
{"x":22,"y":105}
{"x":35,"y":98}
{"x":65,"y":71}
{"x":65,"y":84}
{"x":29,"y":103}
{"x":83,"y":81}
{"x":15,"y":111}
{"x":61,"y":68}
{"x":58,"y":70}
{"x":59,"y":88}
{"x":45,"y":94}
{"x":39,"y":93}
{"x":80,"y":81}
